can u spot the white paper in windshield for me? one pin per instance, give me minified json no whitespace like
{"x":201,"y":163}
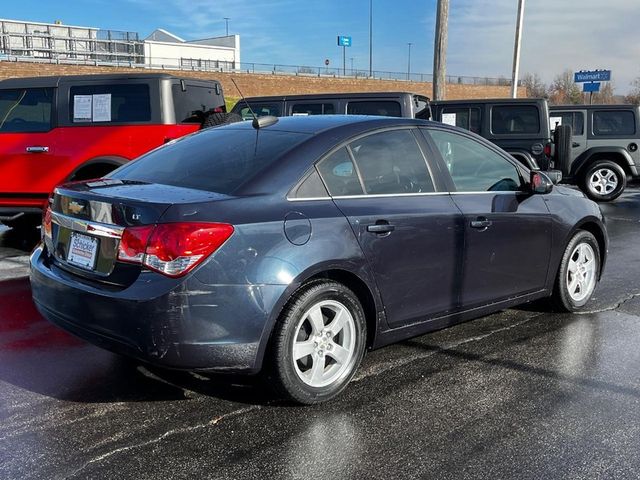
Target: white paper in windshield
{"x":102,"y":107}
{"x":82,"y":108}
{"x":449,"y":119}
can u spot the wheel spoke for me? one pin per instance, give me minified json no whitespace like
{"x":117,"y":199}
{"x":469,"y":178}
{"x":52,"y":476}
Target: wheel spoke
{"x":302,"y":349}
{"x":315,"y":318}
{"x":573,"y":266}
{"x":572,"y":285}
{"x":339,"y":353}
{"x":338,"y":322}
{"x":317,"y":370}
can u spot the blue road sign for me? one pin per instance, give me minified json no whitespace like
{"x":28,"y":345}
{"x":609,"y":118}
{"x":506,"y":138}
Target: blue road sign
{"x":344,"y":41}
{"x":593,"y":76}
{"x":591,"y":87}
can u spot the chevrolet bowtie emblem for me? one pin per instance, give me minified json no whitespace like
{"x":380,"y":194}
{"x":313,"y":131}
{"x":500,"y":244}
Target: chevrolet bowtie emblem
{"x":75,"y":207}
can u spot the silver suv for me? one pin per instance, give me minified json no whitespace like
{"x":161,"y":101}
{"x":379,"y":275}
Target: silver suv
{"x":602,"y":145}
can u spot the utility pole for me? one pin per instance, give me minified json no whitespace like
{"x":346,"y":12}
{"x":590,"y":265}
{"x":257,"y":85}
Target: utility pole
{"x":226,"y":21}
{"x":409,"y":62}
{"x":516,"y":50}
{"x":440,"y":50}
{"x":370,"y":38}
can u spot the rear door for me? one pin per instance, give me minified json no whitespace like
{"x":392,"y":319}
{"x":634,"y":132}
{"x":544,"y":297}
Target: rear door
{"x":409,"y":231}
{"x":507,"y":230}
{"x":27,"y":140}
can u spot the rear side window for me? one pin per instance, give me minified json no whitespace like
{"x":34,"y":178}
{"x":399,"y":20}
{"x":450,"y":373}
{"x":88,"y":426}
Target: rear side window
{"x":124,"y":103}
{"x":197,"y":99}
{"x":613,"y":123}
{"x":467,"y":118}
{"x":26,"y":110}
{"x":515,"y":119}
{"x":575,"y":119}
{"x":375,"y":107}
{"x":260,"y":109}
{"x":313,"y":109}
{"x":340,"y":174}
{"x":239,"y":156}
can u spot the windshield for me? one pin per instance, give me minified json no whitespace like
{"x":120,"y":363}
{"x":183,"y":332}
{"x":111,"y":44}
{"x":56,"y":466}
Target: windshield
{"x":25,"y":110}
{"x":216,"y":160}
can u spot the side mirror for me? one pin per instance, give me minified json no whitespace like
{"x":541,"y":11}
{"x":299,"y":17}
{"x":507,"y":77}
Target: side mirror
{"x":540,"y":183}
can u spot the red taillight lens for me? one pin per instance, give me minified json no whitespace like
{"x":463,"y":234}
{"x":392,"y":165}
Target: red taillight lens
{"x":547,"y":149}
{"x":46,"y":223}
{"x":172,"y":249}
{"x":133,"y":243}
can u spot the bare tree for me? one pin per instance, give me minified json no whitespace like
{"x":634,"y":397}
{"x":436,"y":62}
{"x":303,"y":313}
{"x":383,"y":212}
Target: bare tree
{"x":605,"y":95}
{"x":536,"y":88}
{"x":564,"y":90}
{"x":634,"y":95}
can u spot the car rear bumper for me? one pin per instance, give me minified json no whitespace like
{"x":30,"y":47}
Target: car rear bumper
{"x":188,"y":326}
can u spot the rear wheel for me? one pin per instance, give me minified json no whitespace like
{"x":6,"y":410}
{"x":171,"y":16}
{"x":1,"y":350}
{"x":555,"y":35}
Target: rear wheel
{"x":318,"y":342}
{"x":578,"y":273}
{"x":604,"y":181}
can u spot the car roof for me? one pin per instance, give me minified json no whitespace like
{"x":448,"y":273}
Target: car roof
{"x":488,"y":100}
{"x":317,"y":96}
{"x":54,"y":81}
{"x":600,"y":106}
{"x":314,"y":124}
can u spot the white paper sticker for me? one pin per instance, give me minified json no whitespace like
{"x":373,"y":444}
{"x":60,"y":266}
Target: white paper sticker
{"x":554,"y":122}
{"x":102,"y":107}
{"x":82,"y":108}
{"x":449,"y":119}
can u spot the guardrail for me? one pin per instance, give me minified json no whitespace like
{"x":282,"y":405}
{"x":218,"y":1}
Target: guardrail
{"x":134,"y":60}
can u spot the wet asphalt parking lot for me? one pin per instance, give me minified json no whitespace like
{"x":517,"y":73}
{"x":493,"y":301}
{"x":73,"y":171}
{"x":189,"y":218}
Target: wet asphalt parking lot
{"x":520,"y":394}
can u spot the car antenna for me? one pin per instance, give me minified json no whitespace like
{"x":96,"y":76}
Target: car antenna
{"x":258,"y":122}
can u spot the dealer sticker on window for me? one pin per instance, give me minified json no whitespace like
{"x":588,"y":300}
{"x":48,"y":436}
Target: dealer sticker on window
{"x":82,"y":251}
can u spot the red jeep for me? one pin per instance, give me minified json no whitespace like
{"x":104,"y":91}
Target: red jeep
{"x":56,"y":129}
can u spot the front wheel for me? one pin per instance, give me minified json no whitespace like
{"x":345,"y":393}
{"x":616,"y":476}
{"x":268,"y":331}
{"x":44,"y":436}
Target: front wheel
{"x":318,"y":343}
{"x":604,"y":181}
{"x":578,"y":273}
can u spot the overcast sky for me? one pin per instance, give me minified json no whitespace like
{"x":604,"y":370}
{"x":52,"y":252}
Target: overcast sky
{"x":558,"y":34}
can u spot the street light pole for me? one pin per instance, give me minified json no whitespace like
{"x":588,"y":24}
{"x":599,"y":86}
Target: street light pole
{"x":351,"y":58}
{"x":370,"y":38}
{"x":516,"y":50}
{"x":409,"y":62}
{"x":226,"y":21}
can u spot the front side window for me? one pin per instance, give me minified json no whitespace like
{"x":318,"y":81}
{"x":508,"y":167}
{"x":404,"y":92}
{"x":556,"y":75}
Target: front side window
{"x":613,"y":123}
{"x":26,"y":110}
{"x":375,"y":107}
{"x":515,"y":119}
{"x":467,"y":118}
{"x":391,"y":162}
{"x":313,"y":109}
{"x":126,"y":103}
{"x":474,"y":167}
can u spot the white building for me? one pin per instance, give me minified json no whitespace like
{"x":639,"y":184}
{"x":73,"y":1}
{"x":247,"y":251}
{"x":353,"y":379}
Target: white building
{"x":164,"y":49}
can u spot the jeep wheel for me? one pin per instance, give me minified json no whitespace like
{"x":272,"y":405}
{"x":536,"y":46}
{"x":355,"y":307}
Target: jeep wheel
{"x":604,"y":181}
{"x":220,"y":118}
{"x":562,"y":140}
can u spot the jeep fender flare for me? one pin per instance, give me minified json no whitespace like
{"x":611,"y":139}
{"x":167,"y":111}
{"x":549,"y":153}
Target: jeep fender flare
{"x":615,"y":154}
{"x":106,"y":160}
{"x":524,"y":157}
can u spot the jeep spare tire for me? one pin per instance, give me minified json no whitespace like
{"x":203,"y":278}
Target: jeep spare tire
{"x":220,"y":118}
{"x":562,"y":140}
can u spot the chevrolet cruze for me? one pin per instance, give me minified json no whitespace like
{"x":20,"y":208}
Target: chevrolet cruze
{"x":291,"y":246}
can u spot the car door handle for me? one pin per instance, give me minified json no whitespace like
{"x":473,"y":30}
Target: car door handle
{"x":381,"y":228}
{"x":480,"y":223}
{"x":36,"y":149}
{"x":575,"y":144}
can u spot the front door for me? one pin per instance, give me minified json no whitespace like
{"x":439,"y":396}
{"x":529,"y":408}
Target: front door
{"x":410,"y":234}
{"x":507,"y":230}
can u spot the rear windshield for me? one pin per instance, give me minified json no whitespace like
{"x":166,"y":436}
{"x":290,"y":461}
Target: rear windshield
{"x":216,"y":160}
{"x":260,"y":109}
{"x":25,"y":110}
{"x":375,"y":107}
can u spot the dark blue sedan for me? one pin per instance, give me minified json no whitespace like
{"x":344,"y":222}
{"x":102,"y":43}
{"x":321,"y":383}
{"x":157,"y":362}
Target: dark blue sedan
{"x":292,"y":247}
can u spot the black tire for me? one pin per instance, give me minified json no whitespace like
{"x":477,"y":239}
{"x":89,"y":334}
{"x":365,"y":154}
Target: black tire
{"x":220,"y":118}
{"x":603,"y":169}
{"x":562,"y":299}
{"x":562,"y":140}
{"x":283,"y":371}
{"x":25,"y":223}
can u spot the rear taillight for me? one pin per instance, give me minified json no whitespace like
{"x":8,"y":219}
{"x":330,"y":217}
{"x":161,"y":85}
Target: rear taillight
{"x":547,"y":149}
{"x":172,"y":249}
{"x":46,"y":224}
